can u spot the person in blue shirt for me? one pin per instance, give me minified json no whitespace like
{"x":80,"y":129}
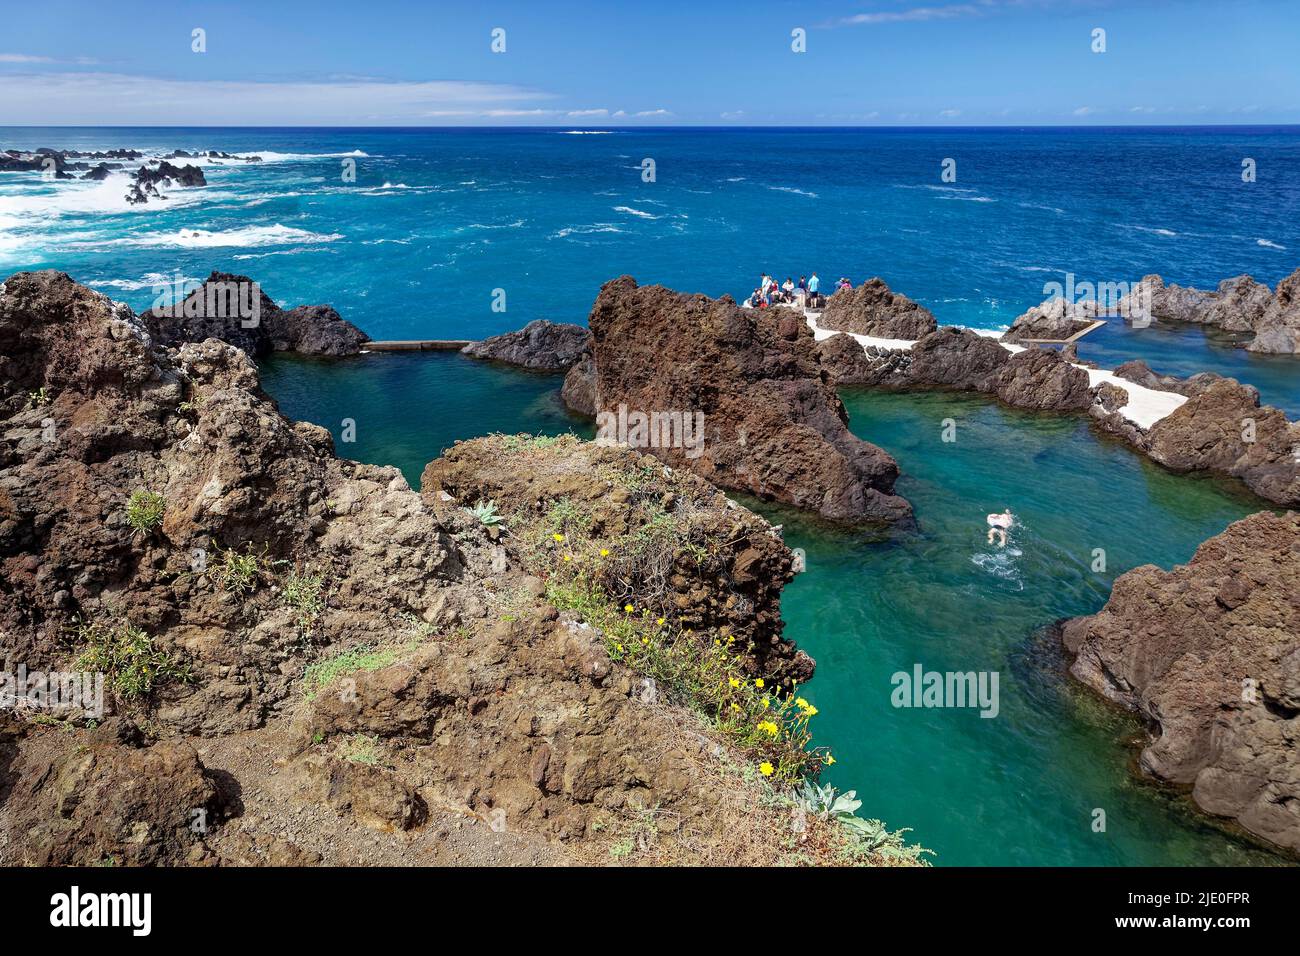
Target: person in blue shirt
{"x":813,"y":283}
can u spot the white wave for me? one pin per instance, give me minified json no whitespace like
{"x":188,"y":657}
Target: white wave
{"x":586,"y":230}
{"x":635,"y":212}
{"x":273,"y":157}
{"x":1267,"y":244}
{"x":517,"y":224}
{"x":1158,"y":232}
{"x":150,"y":280}
{"x":791,"y":189}
{"x":1034,"y":205}
{"x":248,"y":237}
{"x":734,"y":179}
{"x":281,"y":252}
{"x":588,"y":132}
{"x":967,"y":198}
{"x":87,"y":197}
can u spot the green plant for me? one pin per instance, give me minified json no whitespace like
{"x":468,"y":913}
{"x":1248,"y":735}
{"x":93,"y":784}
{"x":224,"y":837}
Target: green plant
{"x":486,"y":513}
{"x":235,"y":572}
{"x":361,"y":748}
{"x":824,"y":802}
{"x":194,"y":404}
{"x":38,"y":398}
{"x":304,"y":593}
{"x":144,"y":510}
{"x":126,"y":656}
{"x":522,"y":442}
{"x":321,"y":673}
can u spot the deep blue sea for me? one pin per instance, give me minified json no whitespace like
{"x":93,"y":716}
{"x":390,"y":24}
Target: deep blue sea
{"x":438,"y":219}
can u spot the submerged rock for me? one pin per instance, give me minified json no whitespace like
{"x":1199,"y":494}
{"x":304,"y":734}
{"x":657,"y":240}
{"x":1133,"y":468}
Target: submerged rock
{"x":1209,"y":655}
{"x":772,"y":424}
{"x":542,"y":345}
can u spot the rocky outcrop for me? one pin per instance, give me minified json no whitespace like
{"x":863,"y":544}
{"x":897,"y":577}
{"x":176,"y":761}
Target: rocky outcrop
{"x":621,"y":498}
{"x":1041,"y":379}
{"x":541,"y":345}
{"x":872,"y":309}
{"x":772,"y":424}
{"x":1239,"y":305}
{"x":579,"y":390}
{"x":234,"y":309}
{"x":961,"y":360}
{"x":1054,"y":320}
{"x":1222,"y":429}
{"x":151,"y":180}
{"x":1278,"y":329}
{"x":272,"y":621}
{"x":1209,"y":655}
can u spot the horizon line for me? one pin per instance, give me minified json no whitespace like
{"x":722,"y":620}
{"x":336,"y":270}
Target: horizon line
{"x":666,"y":126}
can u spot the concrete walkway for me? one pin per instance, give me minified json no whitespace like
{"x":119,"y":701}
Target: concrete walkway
{"x":1145,"y":407}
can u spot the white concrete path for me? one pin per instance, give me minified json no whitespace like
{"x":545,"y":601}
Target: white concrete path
{"x":1145,"y":407}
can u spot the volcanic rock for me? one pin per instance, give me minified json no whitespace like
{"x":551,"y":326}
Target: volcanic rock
{"x":1209,"y":655}
{"x":773,"y":425}
{"x":872,"y":309}
{"x":543,"y":345}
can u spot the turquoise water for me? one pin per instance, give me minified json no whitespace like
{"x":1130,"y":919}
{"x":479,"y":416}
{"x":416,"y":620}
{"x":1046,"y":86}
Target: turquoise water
{"x":439,"y":219}
{"x":1016,"y":789}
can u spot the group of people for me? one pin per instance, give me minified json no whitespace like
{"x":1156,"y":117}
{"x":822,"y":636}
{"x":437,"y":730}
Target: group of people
{"x":806,"y":292}
{"x":771,"y":292}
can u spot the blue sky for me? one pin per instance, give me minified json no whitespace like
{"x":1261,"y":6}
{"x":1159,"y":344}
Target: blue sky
{"x":664,"y":62}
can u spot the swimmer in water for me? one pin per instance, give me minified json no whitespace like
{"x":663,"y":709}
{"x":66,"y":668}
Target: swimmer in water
{"x":998,"y":525}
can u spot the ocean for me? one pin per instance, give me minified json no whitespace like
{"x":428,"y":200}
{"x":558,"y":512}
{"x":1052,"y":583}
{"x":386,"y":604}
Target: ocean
{"x":438,"y":221}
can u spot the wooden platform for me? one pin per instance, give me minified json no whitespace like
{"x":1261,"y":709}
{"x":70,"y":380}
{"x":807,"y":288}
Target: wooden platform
{"x":1095,"y":324}
{"x":418,"y":345}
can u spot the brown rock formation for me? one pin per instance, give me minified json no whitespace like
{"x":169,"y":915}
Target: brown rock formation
{"x":340,"y":673}
{"x":773,"y":425}
{"x":542,"y":345}
{"x":234,"y":309}
{"x":872,"y":309}
{"x":1209,"y":655}
{"x":625,"y":500}
{"x":1239,"y":305}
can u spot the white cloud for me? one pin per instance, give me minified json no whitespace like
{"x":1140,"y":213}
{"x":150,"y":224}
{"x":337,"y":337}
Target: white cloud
{"x":597,"y":112}
{"x":23,"y":58}
{"x":1084,"y":111}
{"x":915,"y":14}
{"x":950,"y":114}
{"x":734,"y":114}
{"x":99,"y":99}
{"x":658,"y":112}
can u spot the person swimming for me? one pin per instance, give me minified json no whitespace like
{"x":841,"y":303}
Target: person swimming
{"x":999,"y":524}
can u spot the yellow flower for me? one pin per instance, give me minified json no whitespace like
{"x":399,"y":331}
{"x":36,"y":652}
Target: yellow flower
{"x":734,"y":681}
{"x":829,"y":760}
{"x":731,"y":640}
{"x":811,"y":711}
{"x":801,"y":703}
{"x":568,"y":557}
{"x":620,"y":648}
{"x":769,"y":727}
{"x":660,"y":622}
{"x":735,"y":707}
{"x":627,"y":608}
{"x":604,"y":552}
{"x":557,"y":536}
{"x":765,"y":769}
{"x":758,"y":682}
